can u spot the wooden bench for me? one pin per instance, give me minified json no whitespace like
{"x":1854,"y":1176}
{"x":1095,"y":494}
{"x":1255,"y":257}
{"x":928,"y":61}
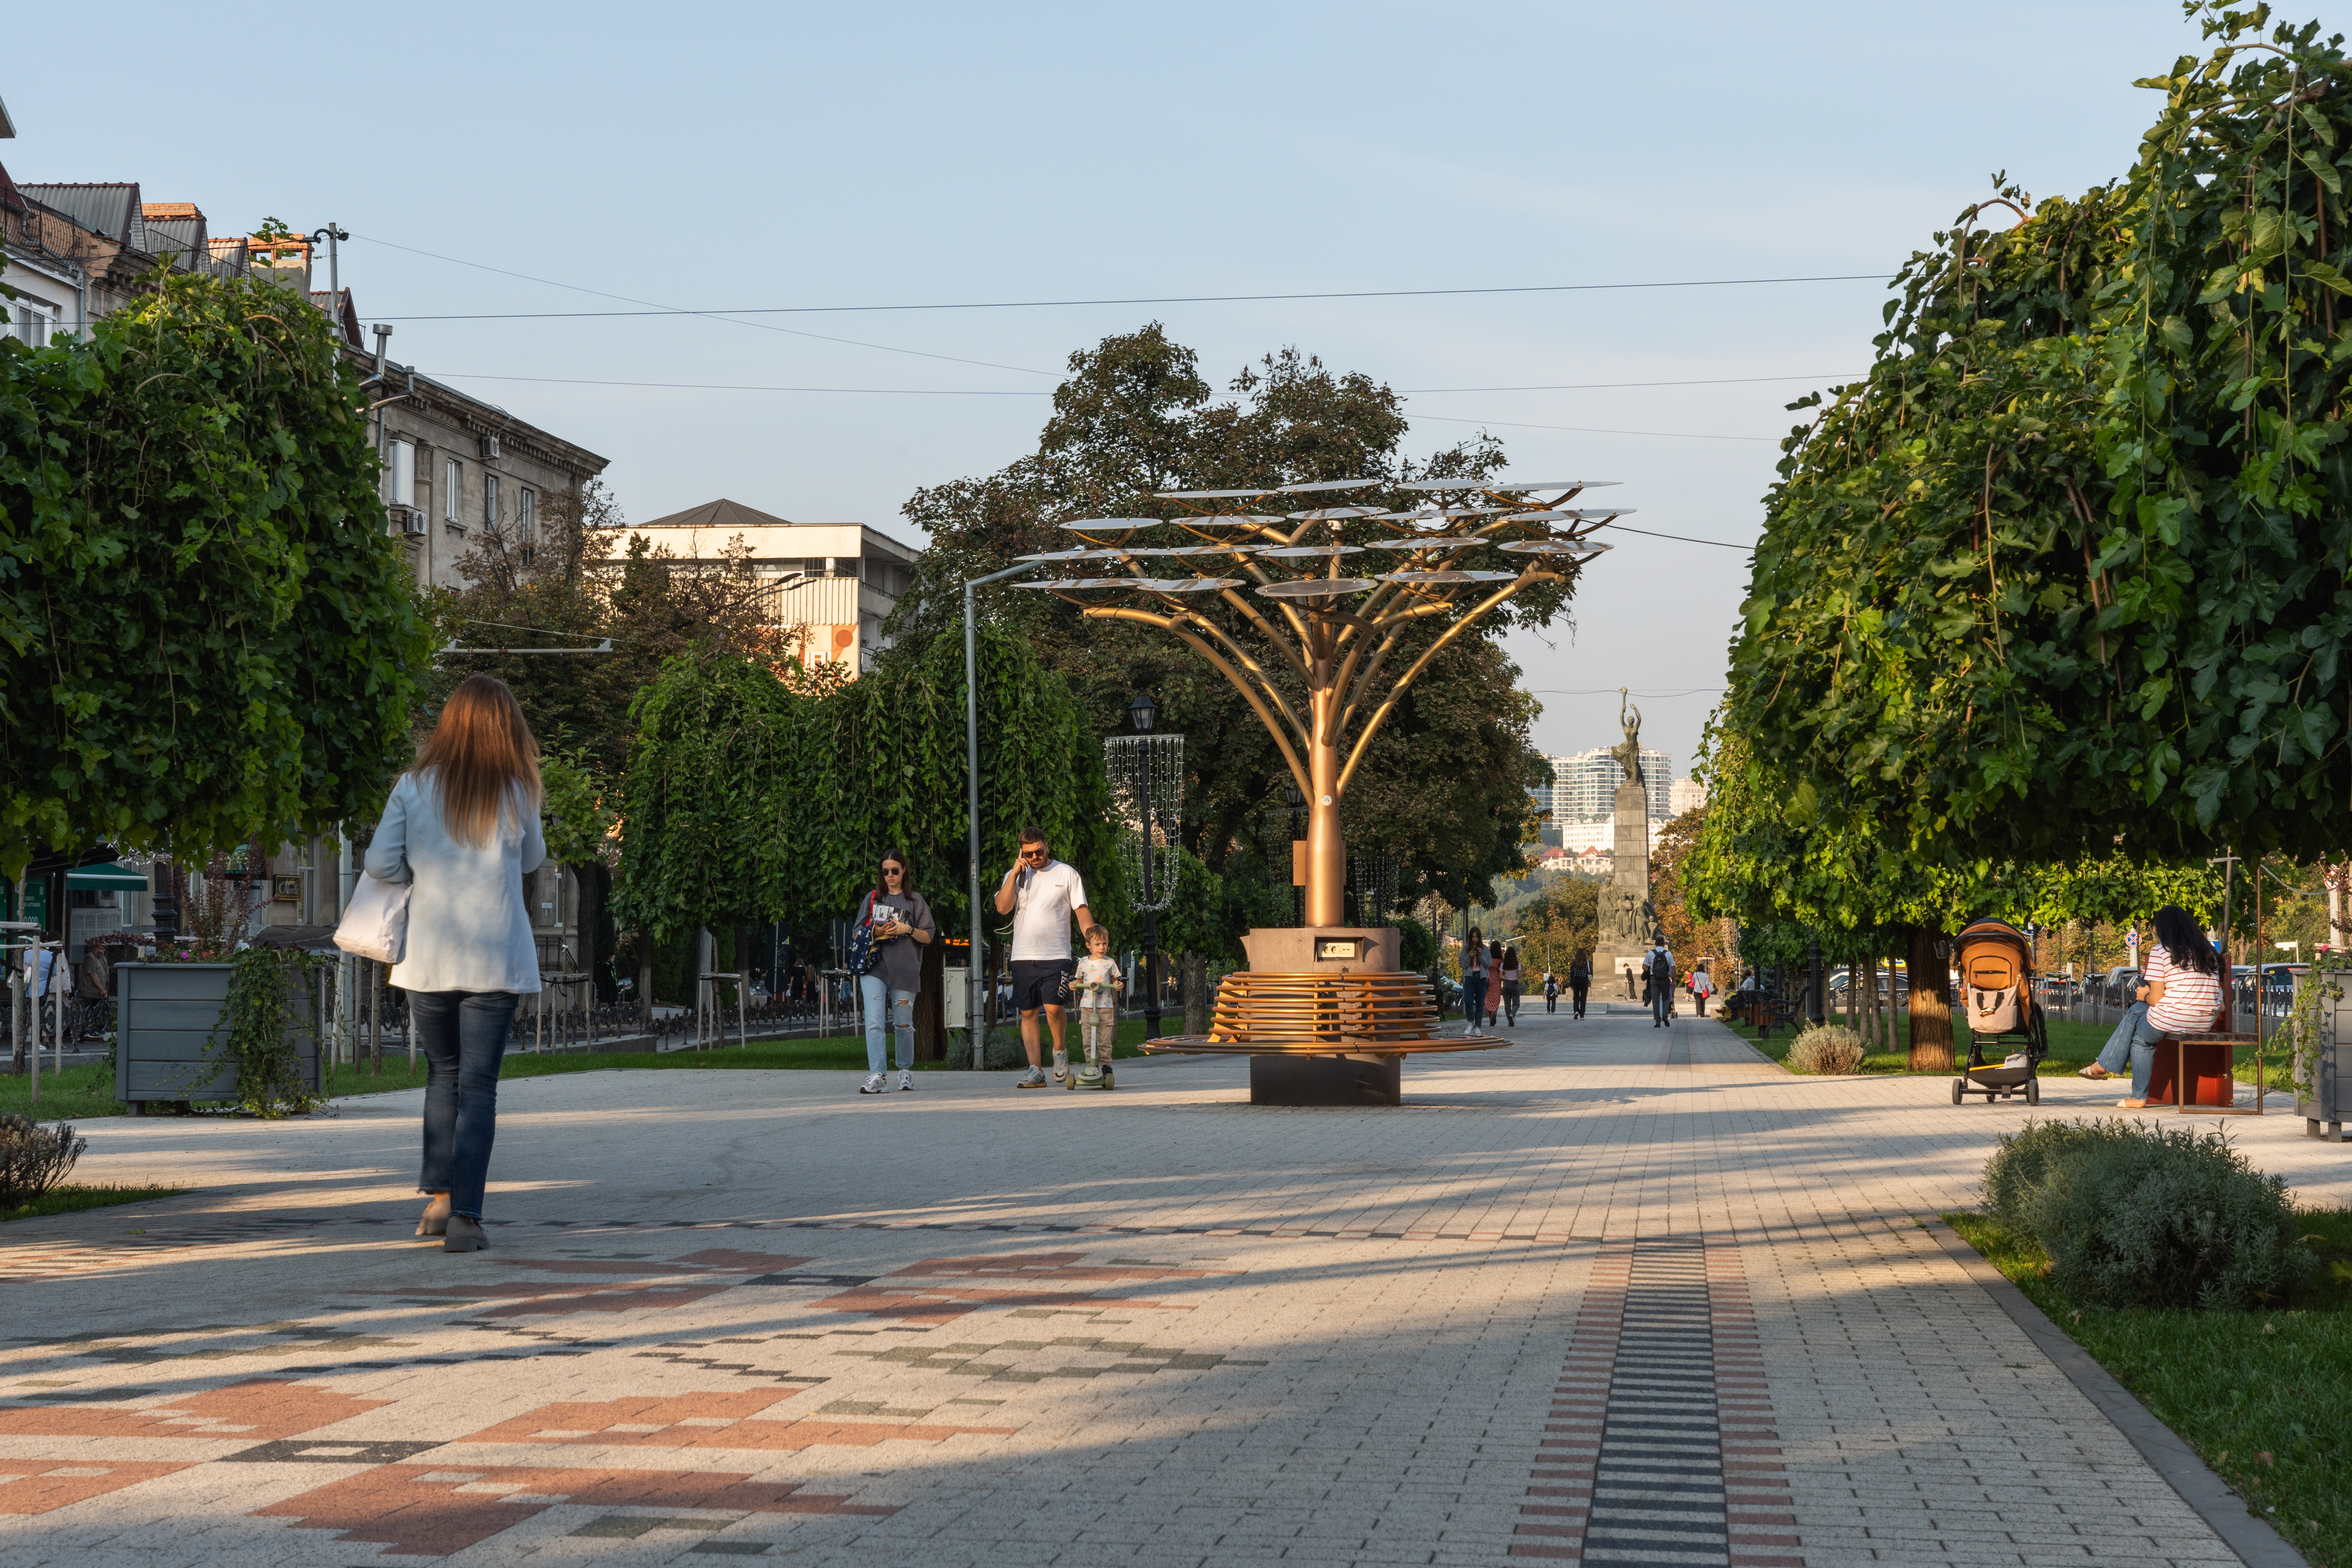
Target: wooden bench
{"x":2210,"y":1079}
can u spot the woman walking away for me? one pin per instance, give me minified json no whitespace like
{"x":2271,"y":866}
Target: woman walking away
{"x":1474,"y":982}
{"x":1579,"y":981}
{"x":1702,"y":986}
{"x":902,"y":927}
{"x":2183,"y":996}
{"x":1513,"y":988}
{"x":462,"y":827}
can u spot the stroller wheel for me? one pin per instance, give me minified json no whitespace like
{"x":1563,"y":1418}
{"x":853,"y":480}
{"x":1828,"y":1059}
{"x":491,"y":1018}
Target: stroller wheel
{"x":1959,"y":1090}
{"x":2034,"y":1090}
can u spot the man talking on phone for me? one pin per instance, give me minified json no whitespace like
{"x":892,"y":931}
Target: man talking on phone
{"x":1042,"y":896}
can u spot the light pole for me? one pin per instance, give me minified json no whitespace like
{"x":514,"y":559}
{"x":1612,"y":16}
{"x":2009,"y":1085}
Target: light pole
{"x":1143,"y":713}
{"x":975,"y":1018}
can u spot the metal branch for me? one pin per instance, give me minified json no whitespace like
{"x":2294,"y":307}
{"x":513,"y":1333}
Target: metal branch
{"x":1404,"y":682}
{"x":1168,"y":623}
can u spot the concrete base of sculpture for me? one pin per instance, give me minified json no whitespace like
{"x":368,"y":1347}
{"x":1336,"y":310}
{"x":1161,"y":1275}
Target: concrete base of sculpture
{"x":1289,"y":1080}
{"x":1324,"y":1014}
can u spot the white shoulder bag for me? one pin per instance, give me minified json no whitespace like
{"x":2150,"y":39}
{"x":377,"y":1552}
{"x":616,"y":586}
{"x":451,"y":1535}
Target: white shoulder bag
{"x":375,"y":925}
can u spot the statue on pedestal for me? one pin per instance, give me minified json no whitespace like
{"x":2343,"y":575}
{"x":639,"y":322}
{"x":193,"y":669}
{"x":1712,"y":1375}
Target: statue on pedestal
{"x":1629,"y":754}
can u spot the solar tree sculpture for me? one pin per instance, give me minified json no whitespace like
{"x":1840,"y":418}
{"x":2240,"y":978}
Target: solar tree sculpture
{"x":1324,"y":1012}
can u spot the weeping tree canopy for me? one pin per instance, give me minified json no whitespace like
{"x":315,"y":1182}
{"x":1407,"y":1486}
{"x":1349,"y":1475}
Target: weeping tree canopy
{"x":2067,"y":575}
{"x":206,"y":636}
{"x":758,"y":793}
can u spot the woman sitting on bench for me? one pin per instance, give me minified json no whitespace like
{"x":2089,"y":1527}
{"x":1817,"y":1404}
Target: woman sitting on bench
{"x":2182,"y":995}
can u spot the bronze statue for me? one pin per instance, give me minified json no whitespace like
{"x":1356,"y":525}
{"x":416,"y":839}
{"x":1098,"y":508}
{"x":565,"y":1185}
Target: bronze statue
{"x":1629,"y":754}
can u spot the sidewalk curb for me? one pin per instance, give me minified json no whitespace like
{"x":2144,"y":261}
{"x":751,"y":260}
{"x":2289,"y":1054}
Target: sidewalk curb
{"x":2167,"y":1452}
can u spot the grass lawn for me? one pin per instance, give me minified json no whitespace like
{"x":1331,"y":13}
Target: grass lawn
{"x":81,"y":1092}
{"x":2072,"y":1045}
{"x":2264,"y":1398}
{"x":73,"y":1199}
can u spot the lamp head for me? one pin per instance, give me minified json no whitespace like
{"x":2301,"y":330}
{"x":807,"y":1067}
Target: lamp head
{"x":1142,"y":711}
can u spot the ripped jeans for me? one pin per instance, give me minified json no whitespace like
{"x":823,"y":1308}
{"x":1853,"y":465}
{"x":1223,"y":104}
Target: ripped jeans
{"x":900,"y":1014}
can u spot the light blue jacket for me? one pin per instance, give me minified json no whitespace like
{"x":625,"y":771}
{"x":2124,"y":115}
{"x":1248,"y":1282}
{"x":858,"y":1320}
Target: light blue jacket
{"x":469,"y":927}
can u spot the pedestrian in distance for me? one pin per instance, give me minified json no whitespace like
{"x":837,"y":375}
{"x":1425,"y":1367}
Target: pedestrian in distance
{"x":1474,"y":982}
{"x":899,"y":927}
{"x":462,"y":828}
{"x":2181,"y":994}
{"x":1551,"y":992}
{"x":1702,"y":986}
{"x":1098,"y":983}
{"x":1042,"y":896}
{"x":1658,"y":981}
{"x":1494,"y":983}
{"x":1513,"y":990}
{"x":1579,"y":981}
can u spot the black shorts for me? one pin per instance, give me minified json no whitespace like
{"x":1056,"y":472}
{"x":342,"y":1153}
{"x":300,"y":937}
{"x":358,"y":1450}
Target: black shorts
{"x":1041,"y":983}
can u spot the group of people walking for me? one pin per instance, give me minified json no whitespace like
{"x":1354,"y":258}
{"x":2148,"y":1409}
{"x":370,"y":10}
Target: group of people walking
{"x":1493,"y":984}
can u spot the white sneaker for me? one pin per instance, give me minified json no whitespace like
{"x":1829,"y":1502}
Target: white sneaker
{"x":1061,"y":1066}
{"x":906,"y":1079}
{"x":875,"y":1083}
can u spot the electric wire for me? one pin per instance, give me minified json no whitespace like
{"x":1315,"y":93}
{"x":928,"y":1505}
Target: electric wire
{"x":1019,"y":391}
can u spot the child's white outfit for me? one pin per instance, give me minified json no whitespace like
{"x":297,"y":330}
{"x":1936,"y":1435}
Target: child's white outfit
{"x":1098,"y":984}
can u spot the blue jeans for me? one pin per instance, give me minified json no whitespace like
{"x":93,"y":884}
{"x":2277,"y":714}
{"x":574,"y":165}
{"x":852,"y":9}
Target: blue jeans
{"x":1473,"y":999}
{"x":1661,"y":998}
{"x":2135,"y":1041}
{"x":464,"y":1037}
{"x":900,"y":1012}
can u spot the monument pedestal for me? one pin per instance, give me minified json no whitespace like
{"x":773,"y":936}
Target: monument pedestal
{"x":1324,"y":1015}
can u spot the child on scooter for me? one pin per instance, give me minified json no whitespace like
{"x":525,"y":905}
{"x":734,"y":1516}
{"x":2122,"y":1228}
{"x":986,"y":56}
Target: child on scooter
{"x":1097,"y":983}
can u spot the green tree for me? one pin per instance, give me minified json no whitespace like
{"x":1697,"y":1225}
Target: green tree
{"x":207,"y":636}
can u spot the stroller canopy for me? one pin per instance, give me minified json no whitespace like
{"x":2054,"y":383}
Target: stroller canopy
{"x":1992,"y":956}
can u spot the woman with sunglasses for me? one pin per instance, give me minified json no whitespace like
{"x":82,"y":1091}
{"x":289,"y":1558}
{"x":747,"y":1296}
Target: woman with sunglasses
{"x":902,"y":928}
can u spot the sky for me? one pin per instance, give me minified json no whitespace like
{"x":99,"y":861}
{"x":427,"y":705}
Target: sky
{"x":715,"y":157}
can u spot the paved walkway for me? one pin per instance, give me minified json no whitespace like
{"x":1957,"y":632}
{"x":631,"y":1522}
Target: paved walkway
{"x":1615,"y":1295}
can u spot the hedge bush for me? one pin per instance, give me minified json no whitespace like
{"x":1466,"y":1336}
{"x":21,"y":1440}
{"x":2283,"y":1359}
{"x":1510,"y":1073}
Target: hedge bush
{"x":1826,"y":1048}
{"x":2137,"y":1216}
{"x":34,"y":1158}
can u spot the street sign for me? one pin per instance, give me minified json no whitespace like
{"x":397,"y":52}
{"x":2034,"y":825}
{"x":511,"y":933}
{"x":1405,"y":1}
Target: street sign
{"x":2131,"y":938}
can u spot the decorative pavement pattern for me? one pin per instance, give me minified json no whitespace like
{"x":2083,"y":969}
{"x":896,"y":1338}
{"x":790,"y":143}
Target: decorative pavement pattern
{"x":1603,"y":1297}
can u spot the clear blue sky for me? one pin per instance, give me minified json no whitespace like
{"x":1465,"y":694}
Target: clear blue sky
{"x":719,"y":155}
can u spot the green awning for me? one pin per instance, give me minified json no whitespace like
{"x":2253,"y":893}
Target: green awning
{"x":108,"y":878}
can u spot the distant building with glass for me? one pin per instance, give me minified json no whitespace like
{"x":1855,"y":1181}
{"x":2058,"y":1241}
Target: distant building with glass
{"x":1584,"y":786}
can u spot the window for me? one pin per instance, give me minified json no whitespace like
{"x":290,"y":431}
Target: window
{"x":400,"y":474}
{"x":34,"y":322}
{"x":489,"y":500}
{"x":525,"y":515}
{"x":453,"y":474}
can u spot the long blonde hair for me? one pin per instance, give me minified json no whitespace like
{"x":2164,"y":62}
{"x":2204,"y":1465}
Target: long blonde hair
{"x":481,"y":755}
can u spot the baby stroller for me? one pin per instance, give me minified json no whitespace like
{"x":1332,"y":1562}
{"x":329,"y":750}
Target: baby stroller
{"x":1996,"y":965}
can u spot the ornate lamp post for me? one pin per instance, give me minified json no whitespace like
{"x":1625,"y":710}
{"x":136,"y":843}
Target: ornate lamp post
{"x":1146,"y":769}
{"x":1309,"y":651}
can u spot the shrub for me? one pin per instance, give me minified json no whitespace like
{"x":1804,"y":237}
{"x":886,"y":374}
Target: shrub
{"x":34,"y":1158}
{"x":2135,"y":1215}
{"x":2021,"y":1160}
{"x":1826,"y":1048}
{"x":1004,"y":1050}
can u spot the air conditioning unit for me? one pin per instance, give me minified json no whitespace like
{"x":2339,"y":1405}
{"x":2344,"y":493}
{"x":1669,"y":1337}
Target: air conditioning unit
{"x":408,"y":519}
{"x":489,"y":448}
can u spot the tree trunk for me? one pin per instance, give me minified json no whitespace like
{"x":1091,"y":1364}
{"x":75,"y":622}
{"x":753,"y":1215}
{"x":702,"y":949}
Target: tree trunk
{"x":1931,"y":1002}
{"x":645,"y":981}
{"x":584,"y":877}
{"x":1193,"y":972}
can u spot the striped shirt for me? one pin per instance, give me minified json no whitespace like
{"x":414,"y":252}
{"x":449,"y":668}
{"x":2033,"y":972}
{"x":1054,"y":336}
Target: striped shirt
{"x":2190,"y":999}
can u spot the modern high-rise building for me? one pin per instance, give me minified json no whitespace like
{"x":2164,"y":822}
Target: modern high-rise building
{"x":1686,"y":795}
{"x":1584,"y":786}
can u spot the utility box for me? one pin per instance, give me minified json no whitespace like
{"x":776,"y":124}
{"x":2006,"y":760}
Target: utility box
{"x":955,"y":993}
{"x":2323,"y":1068}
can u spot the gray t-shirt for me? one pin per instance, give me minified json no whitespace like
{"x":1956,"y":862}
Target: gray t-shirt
{"x":900,"y":960}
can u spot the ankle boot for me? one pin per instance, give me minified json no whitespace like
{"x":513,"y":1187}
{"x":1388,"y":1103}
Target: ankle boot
{"x":465,"y":1234}
{"x":435,"y":1220}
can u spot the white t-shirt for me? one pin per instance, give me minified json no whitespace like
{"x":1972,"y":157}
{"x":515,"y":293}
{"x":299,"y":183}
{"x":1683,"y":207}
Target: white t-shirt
{"x":1042,"y":906}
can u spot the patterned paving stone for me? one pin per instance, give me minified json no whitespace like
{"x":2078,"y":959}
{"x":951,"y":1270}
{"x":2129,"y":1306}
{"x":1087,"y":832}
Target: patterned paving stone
{"x":1612,"y":1295}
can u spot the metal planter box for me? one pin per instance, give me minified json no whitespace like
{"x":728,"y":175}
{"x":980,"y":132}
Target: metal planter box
{"x":2329,"y":1104}
{"x":164,"y":1013}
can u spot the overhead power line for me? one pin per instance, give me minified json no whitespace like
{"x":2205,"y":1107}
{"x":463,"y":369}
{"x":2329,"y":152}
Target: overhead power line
{"x":1040,"y":392}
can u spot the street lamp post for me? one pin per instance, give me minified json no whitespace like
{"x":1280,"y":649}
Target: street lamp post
{"x":975,"y":1018}
{"x":1143,"y":713}
{"x":1143,"y":767}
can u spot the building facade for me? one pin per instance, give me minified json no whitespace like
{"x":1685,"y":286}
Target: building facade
{"x":1685,"y":795}
{"x":831,"y":586}
{"x":1584,"y":786}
